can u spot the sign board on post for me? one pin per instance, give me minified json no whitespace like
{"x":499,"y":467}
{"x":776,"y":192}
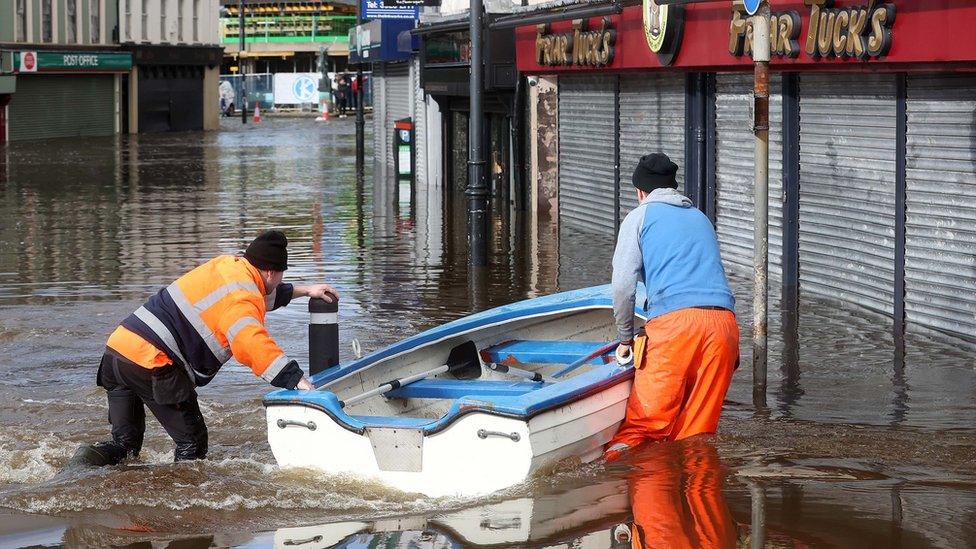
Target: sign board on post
{"x":752,"y":6}
{"x":411,"y":2}
{"x":377,"y":9}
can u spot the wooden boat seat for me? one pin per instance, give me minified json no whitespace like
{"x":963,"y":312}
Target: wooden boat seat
{"x":455,"y":388}
{"x":517,"y":352}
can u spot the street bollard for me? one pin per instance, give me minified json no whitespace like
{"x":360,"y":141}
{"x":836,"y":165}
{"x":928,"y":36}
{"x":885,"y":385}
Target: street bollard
{"x":323,"y":335}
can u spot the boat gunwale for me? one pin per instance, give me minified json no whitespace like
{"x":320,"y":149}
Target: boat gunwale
{"x":465,"y":405}
{"x":579,"y":300}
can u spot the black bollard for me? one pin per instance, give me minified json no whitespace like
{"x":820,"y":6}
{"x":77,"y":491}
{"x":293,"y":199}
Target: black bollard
{"x":323,"y":335}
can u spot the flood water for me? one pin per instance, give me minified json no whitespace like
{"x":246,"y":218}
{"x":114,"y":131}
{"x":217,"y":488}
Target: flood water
{"x":863,"y":442}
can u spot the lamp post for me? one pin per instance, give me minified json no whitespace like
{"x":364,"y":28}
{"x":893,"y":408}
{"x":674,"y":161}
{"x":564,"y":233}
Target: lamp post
{"x":476,"y":192}
{"x":360,"y":118}
{"x":240,"y":61}
{"x":760,"y":309}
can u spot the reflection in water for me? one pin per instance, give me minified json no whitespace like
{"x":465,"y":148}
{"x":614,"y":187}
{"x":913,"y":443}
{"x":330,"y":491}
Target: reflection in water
{"x":856,"y":450}
{"x":677,"y":500}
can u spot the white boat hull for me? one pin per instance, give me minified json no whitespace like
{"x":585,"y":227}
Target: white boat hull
{"x":454,"y":461}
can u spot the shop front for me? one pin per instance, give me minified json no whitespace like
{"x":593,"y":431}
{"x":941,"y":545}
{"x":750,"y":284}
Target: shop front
{"x":872,"y":177}
{"x":394,"y":81}
{"x":64,"y":94}
{"x":172,"y":88}
{"x":446,"y":60}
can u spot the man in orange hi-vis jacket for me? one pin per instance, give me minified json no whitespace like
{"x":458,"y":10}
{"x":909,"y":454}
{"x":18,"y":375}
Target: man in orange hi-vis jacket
{"x":685,"y":359}
{"x":180,"y":338}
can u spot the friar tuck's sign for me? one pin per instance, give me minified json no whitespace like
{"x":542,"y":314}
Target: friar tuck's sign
{"x":581,"y":47}
{"x":859,"y":32}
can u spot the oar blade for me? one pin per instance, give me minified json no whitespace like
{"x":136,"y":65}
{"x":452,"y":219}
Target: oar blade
{"x":464,"y":362}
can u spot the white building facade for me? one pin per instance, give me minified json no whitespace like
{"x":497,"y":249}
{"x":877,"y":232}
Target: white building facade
{"x":176,"y":52}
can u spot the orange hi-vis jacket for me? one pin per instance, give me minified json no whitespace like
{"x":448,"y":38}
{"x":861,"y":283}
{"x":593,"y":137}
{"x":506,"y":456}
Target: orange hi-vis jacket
{"x":208,"y":315}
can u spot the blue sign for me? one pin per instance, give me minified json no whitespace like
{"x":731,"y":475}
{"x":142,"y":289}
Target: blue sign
{"x":374,"y":9}
{"x":752,"y":6}
{"x":306,"y":89}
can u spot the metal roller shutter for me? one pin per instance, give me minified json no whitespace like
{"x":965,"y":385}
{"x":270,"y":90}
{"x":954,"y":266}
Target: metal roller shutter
{"x":170,"y":99}
{"x":398,"y":99}
{"x":940,"y":248}
{"x":380,"y":138}
{"x":586,"y":153}
{"x":47,"y":106}
{"x":419,"y":124}
{"x":735,"y":161}
{"x":652,"y":119}
{"x":847,"y":187}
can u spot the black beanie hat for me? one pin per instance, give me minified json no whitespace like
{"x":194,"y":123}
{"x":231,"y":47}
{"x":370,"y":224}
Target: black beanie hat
{"x":268,"y":251}
{"x":655,"y":171}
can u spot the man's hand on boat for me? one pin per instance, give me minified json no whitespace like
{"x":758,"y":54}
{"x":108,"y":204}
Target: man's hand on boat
{"x":321,"y":291}
{"x":624,"y":354}
{"x":305,"y":385}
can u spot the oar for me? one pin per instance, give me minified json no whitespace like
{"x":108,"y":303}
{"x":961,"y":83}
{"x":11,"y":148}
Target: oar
{"x":599,"y":352}
{"x":462,"y":363}
{"x":506,"y":369}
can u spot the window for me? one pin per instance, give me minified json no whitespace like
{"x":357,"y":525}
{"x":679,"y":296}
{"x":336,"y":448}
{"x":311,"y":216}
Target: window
{"x":95,"y":21}
{"x":71,"y":21}
{"x":196,"y":20}
{"x":47,"y":22}
{"x":145,"y":20}
{"x":128,"y":20}
{"x":21,"y":23}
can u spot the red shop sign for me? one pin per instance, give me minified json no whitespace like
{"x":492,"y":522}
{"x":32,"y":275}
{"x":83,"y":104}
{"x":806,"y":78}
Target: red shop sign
{"x":715,"y":36}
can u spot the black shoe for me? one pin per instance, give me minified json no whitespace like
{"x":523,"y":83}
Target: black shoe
{"x":99,"y":455}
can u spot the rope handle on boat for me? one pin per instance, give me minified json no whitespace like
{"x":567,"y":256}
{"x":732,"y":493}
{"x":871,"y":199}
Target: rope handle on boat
{"x":483,"y":434}
{"x":282,"y":423}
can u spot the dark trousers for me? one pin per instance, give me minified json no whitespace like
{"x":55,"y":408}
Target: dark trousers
{"x":169,"y":394}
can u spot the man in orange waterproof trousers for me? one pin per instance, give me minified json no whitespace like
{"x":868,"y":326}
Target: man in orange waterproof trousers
{"x":180,"y":338}
{"x":690,"y":346}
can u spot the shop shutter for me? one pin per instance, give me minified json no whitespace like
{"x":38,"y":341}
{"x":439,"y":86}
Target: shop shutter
{"x":652,"y":119}
{"x":47,"y":106}
{"x":398,"y":99}
{"x":735,"y":162}
{"x":380,"y":138}
{"x":847,"y":187}
{"x":586,"y":153}
{"x":419,"y":124}
{"x":940,"y":250}
{"x":170,"y":99}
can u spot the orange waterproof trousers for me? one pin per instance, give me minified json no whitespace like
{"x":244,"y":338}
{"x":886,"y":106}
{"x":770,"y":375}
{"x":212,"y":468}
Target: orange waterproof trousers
{"x":681,"y":377}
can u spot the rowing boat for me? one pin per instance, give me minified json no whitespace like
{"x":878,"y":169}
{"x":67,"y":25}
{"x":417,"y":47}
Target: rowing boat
{"x":469,"y":407}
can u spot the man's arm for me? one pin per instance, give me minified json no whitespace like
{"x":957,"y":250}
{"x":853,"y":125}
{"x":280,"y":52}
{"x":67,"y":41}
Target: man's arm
{"x":628,"y":266}
{"x":321,"y":291}
{"x":253,"y":347}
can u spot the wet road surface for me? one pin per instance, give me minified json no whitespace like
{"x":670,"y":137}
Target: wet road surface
{"x":863,"y":443}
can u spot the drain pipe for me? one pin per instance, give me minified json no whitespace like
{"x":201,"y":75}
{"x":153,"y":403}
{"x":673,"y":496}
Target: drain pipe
{"x":323,"y":335}
{"x":760,"y":55}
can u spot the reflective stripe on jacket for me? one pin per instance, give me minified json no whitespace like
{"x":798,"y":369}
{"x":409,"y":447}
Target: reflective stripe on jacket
{"x":208,"y":315}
